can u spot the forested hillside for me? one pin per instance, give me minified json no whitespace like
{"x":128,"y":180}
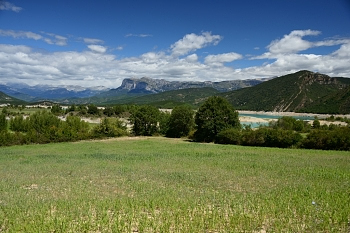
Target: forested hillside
{"x":6,"y":99}
{"x":303,"y":91}
{"x":170,"y":99}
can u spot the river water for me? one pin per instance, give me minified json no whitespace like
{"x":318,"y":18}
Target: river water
{"x":263,"y":116}
{"x":256,"y":124}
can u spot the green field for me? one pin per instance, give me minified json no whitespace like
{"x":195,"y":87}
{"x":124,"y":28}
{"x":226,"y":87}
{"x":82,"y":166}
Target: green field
{"x":166,"y":185}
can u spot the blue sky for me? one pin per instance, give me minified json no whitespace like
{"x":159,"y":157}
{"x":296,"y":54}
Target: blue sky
{"x":94,"y":43}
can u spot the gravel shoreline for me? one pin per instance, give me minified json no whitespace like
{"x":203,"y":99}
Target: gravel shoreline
{"x":320,"y":116}
{"x":252,"y":119}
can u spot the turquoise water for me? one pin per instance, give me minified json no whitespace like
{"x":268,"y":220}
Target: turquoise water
{"x":255,"y":124}
{"x":258,"y":124}
{"x":304,"y":118}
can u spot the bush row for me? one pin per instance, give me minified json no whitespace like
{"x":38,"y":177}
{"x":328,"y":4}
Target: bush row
{"x":336,"y":139}
{"x":45,"y":127}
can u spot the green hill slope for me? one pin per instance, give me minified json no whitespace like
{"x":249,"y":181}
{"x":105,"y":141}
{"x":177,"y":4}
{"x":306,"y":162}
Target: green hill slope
{"x":336,"y":103}
{"x":6,"y":99}
{"x":169,"y":99}
{"x":303,"y":91}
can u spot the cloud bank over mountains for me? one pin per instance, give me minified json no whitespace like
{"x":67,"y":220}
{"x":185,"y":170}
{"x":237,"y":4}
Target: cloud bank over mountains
{"x":98,"y":64}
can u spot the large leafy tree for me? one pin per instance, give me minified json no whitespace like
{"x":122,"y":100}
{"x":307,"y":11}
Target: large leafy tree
{"x":145,"y":121}
{"x":181,"y":121}
{"x":216,"y":114}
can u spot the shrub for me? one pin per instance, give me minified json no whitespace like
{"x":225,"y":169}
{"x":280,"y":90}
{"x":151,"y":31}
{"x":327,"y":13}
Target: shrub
{"x":337,"y":139}
{"x":73,"y":129}
{"x":3,"y":122}
{"x":289,"y":123}
{"x":9,"y":139}
{"x":229,"y":136}
{"x":56,"y":109}
{"x":93,"y":110}
{"x":108,"y":111}
{"x":110,"y":127}
{"x":42,"y":121}
{"x":316,"y":124}
{"x":18,"y":124}
{"x":271,"y":138}
{"x":282,"y":138}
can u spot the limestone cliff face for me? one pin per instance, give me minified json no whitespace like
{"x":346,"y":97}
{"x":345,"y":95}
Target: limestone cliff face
{"x":128,"y":84}
{"x":149,"y":85}
{"x":311,"y":77}
{"x":143,"y":85}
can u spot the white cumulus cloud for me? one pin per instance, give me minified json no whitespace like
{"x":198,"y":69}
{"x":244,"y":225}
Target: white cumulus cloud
{"x":220,"y":59}
{"x":97,"y":66}
{"x":192,"y":42}
{"x":293,"y":42}
{"x":192,"y":58}
{"x":97,"y":48}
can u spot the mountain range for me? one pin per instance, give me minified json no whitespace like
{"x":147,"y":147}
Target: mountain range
{"x":133,"y":88}
{"x":130,"y":88}
{"x":148,"y":85}
{"x":47,"y":92}
{"x":303,"y":91}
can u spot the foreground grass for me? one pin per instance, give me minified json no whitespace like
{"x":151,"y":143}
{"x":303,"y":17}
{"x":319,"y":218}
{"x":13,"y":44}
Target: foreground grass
{"x":166,"y":185}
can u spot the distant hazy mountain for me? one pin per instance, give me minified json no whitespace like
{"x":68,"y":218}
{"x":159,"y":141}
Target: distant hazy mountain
{"x":47,"y":92}
{"x":150,"y":86}
{"x":303,"y":91}
{"x":132,"y":88}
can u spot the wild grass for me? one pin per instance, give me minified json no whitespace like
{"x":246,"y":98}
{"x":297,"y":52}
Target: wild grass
{"x":167,"y":185}
{"x":26,"y":111}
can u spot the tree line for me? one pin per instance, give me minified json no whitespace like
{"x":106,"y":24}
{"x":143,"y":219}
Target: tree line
{"x":45,"y":127}
{"x":215,"y":121}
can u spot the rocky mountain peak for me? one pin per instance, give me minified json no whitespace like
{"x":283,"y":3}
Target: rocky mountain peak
{"x":311,"y":77}
{"x":149,"y":85}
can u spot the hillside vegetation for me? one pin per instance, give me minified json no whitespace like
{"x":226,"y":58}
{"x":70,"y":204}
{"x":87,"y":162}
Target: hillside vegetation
{"x":192,"y":96}
{"x":6,"y":99}
{"x":303,"y":91}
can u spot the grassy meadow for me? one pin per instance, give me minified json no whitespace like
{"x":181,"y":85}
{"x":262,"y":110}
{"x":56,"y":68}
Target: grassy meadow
{"x":170,"y":185}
